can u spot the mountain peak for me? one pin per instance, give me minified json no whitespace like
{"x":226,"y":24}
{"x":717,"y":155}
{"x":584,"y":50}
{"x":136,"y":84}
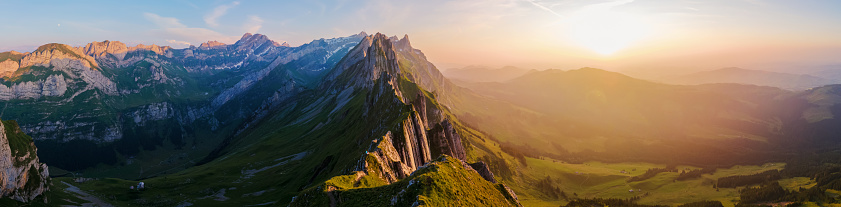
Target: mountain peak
{"x":212,"y":43}
{"x":99,"y":49}
{"x":249,"y":40}
{"x":404,"y":43}
{"x":245,"y":36}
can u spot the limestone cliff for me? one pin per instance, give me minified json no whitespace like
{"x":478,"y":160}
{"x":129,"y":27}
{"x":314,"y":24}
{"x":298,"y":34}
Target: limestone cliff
{"x":22,"y":176}
{"x":8,"y":67}
{"x":59,"y":56}
{"x":53,"y":85}
{"x":101,"y":49}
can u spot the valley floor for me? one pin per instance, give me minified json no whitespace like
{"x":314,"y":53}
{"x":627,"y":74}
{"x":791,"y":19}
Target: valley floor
{"x":607,"y":180}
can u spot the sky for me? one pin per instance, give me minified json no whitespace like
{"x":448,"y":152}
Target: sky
{"x":639,"y":36}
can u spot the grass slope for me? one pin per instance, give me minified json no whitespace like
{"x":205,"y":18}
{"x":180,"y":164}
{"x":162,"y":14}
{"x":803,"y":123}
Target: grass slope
{"x":444,"y":182}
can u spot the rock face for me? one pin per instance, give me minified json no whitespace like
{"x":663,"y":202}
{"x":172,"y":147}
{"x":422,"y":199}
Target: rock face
{"x":484,"y":171}
{"x":53,"y":85}
{"x":101,"y":49}
{"x":152,"y":112}
{"x":210,"y":44}
{"x":160,"y":50}
{"x":413,"y":144}
{"x":8,"y":67}
{"x":22,"y":176}
{"x":58,"y":58}
{"x":65,"y":60}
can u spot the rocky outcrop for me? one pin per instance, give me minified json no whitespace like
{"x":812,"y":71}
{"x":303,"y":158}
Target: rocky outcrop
{"x":483,"y":170}
{"x":22,"y":176}
{"x":447,"y":141}
{"x":388,"y":163}
{"x":160,"y":50}
{"x":101,"y":49}
{"x":210,"y":44}
{"x":54,"y":85}
{"x":152,"y":112}
{"x":413,"y":146}
{"x":398,"y":156}
{"x":8,"y":67}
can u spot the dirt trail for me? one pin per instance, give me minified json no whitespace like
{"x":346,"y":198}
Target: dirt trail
{"x":94,"y":201}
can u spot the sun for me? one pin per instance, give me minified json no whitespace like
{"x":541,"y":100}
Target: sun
{"x":605,"y":32}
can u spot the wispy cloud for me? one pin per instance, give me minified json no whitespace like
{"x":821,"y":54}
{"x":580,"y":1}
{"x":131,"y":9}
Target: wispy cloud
{"x":543,"y":7}
{"x":166,"y":22}
{"x":171,"y":28}
{"x":176,"y":42}
{"x":219,"y":11}
{"x":606,"y":5}
{"x":253,"y":24}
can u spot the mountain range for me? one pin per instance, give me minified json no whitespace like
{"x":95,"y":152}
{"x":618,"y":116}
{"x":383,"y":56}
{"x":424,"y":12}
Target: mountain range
{"x":786,"y":81}
{"x":368,"y":120}
{"x":477,"y":73}
{"x":269,"y":123}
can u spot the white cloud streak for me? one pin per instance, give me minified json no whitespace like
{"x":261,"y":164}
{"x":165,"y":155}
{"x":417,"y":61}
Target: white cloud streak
{"x":170,"y":28}
{"x":166,"y":22}
{"x":219,"y":11}
{"x":177,"y":42}
{"x":543,"y":8}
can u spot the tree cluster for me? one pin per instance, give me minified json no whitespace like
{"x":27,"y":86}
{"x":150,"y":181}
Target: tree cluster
{"x":604,"y":202}
{"x":550,"y":189}
{"x":703,"y":204}
{"x":650,"y":173}
{"x":692,"y":174}
{"x":742,"y":180}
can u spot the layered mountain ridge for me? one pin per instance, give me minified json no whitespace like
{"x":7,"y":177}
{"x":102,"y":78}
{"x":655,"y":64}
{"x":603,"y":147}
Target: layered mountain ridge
{"x":365,"y":106}
{"x":178,"y":89}
{"x":786,"y":81}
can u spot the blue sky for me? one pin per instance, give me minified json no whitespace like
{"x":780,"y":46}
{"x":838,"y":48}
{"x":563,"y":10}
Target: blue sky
{"x":526,"y":33}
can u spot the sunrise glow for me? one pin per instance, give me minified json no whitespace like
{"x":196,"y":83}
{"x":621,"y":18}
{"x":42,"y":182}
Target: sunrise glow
{"x":605,"y":32}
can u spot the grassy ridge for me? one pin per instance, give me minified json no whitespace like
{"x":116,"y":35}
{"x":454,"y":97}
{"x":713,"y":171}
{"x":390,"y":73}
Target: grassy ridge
{"x":443,"y":182}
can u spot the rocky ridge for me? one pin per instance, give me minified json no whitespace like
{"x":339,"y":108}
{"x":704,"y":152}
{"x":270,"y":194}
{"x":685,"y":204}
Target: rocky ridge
{"x":421,"y":137}
{"x":68,"y":65}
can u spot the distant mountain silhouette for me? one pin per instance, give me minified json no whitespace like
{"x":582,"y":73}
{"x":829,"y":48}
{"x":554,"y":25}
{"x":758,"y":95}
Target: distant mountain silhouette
{"x":485,"y":74}
{"x":786,"y":81}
